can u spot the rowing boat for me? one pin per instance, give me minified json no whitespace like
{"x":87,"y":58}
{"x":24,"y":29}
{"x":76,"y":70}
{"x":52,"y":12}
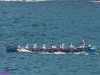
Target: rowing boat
{"x":50,"y":50}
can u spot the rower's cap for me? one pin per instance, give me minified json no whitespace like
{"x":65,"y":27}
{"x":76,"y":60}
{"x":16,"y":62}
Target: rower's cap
{"x":82,"y":40}
{"x":62,"y":44}
{"x":27,"y":45}
{"x":71,"y":44}
{"x":43,"y":44}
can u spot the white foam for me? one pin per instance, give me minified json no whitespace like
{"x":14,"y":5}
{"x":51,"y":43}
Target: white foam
{"x":77,"y":53}
{"x":97,"y":53}
{"x":59,"y":53}
{"x":23,"y":50}
{"x":45,"y":53}
{"x":86,"y":53}
{"x":83,"y":52}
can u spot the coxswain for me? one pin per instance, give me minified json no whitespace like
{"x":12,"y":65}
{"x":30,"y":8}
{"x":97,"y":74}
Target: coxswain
{"x":83,"y":44}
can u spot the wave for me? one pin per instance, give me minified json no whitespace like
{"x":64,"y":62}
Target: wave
{"x":62,"y":53}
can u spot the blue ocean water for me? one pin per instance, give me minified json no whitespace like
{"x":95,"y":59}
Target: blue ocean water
{"x":51,"y":22}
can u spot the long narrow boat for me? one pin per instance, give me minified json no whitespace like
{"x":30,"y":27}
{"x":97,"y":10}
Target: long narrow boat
{"x":15,"y":49}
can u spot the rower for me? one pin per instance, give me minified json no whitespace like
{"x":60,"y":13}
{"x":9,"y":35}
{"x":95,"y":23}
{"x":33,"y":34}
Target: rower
{"x":27,"y":47}
{"x":53,"y":46}
{"x":71,"y":46}
{"x":83,"y":44}
{"x":19,"y":47}
{"x":35,"y":46}
{"x":62,"y":46}
{"x":43,"y":46}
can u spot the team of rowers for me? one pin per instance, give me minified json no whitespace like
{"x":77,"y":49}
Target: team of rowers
{"x":53,"y":46}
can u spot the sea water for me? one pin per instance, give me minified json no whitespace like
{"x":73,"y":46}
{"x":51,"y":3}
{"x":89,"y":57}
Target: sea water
{"x":49,"y":22}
